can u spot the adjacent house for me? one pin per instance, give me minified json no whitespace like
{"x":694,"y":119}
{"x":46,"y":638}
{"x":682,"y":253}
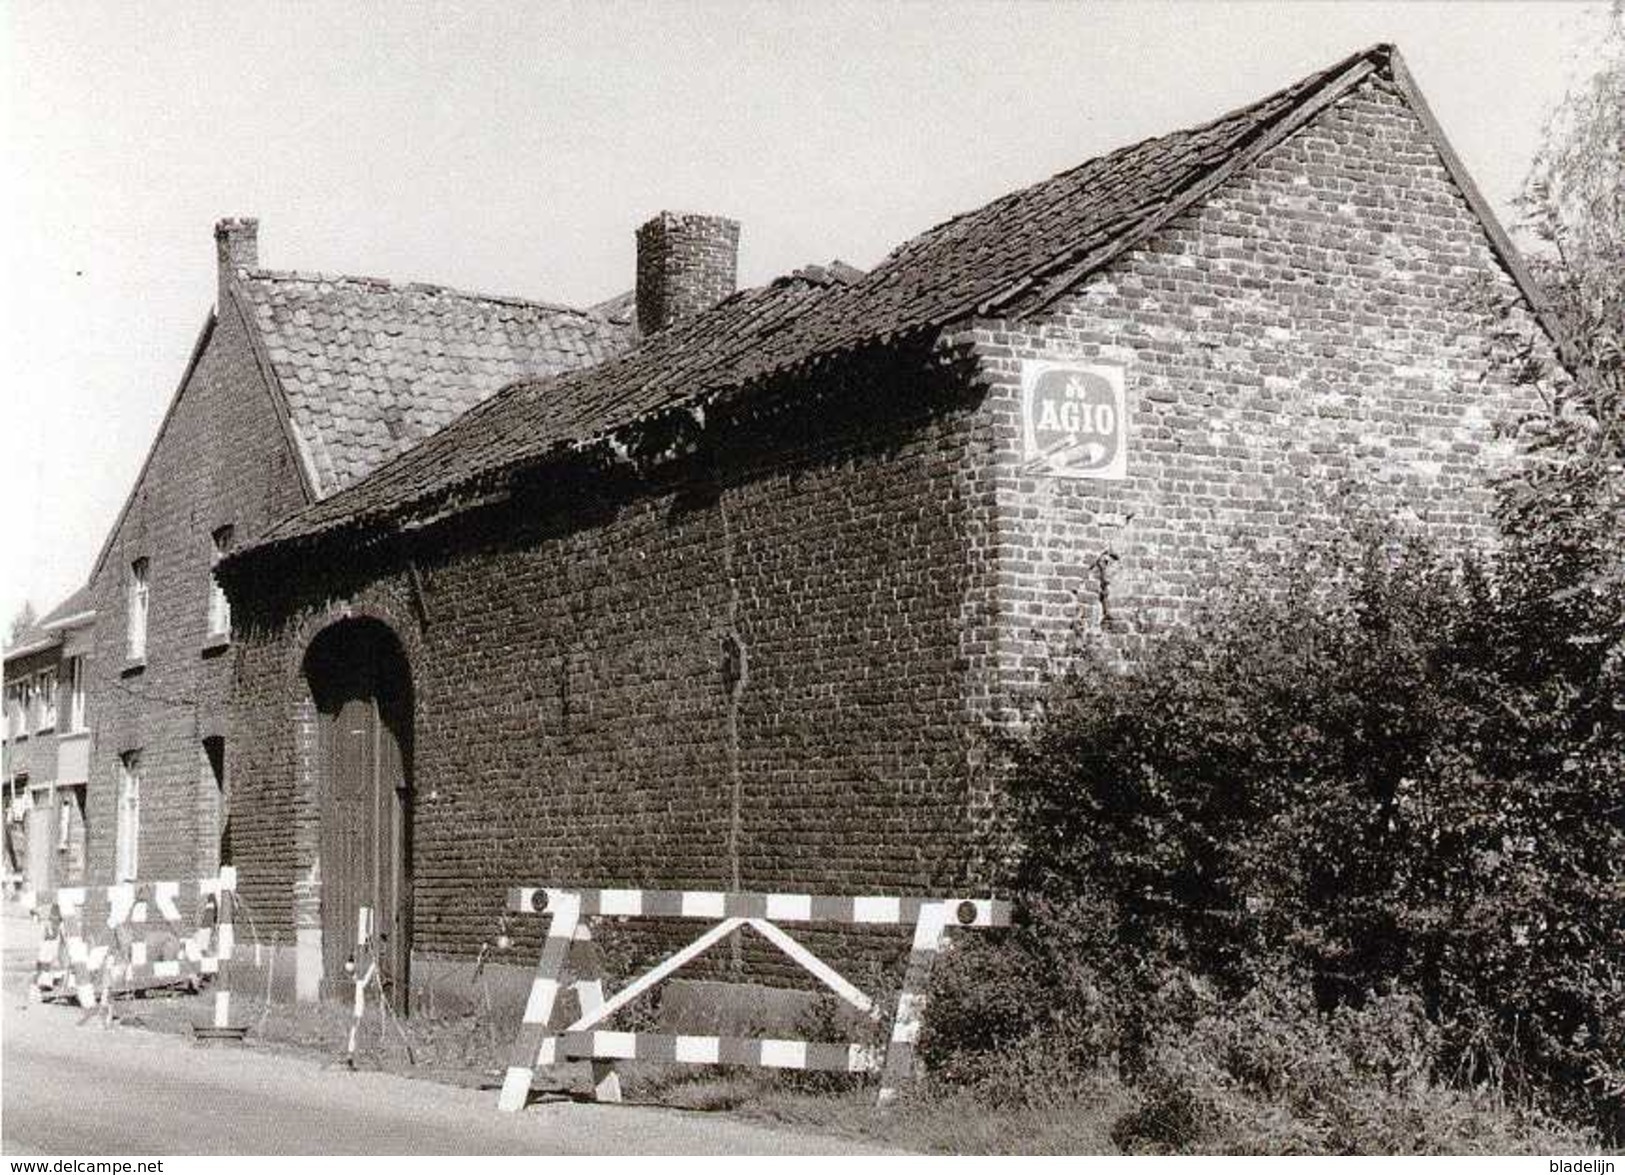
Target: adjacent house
{"x":299,"y":384}
{"x":47,"y":748}
{"x":741,"y":607}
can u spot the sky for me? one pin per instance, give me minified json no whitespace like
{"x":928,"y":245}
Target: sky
{"x":513,"y":149}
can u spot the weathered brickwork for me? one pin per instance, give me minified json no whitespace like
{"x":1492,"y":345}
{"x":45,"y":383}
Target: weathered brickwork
{"x":220,"y":460}
{"x":754,"y":687}
{"x":1304,"y":342}
{"x":686,"y":263}
{"x":785,"y":674}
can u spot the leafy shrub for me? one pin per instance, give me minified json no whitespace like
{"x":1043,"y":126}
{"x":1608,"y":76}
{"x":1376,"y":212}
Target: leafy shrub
{"x":1372,"y":770}
{"x":1270,"y":1073}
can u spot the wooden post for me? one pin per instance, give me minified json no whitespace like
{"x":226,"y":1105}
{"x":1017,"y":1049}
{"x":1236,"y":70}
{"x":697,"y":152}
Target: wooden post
{"x":928,"y":934}
{"x":587,"y":965}
{"x":361,"y":965}
{"x":535,"y":1046}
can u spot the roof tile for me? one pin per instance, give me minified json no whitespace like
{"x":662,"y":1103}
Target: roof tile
{"x":331,"y":340}
{"x":1005,"y":257}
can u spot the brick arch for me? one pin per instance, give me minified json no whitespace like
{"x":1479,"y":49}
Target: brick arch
{"x":304,"y":718}
{"x":397,"y":619}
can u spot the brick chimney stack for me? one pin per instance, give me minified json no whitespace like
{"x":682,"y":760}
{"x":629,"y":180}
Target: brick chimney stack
{"x":686,"y":263}
{"x":236,"y":246}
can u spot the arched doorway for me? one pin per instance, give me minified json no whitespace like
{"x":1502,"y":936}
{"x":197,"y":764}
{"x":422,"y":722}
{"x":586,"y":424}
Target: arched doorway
{"x":362,"y":690}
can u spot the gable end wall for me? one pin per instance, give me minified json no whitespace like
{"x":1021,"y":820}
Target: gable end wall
{"x":221,"y":459}
{"x":1303,"y":342}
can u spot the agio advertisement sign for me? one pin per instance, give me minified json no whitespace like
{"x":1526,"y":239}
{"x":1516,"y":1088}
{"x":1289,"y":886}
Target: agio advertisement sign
{"x":1074,"y":419}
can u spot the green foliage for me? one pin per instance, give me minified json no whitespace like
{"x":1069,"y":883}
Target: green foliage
{"x":1382,"y":773}
{"x":1383,"y":770}
{"x":1269,"y":1074}
{"x":21,"y":622}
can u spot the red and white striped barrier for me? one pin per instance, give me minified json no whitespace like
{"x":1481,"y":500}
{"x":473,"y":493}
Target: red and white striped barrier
{"x":538,"y":1047}
{"x":204,"y":938}
{"x":66,"y":965}
{"x":364,"y":966}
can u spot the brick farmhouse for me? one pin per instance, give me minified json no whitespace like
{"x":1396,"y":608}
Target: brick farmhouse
{"x":740,"y":607}
{"x":298,"y":385}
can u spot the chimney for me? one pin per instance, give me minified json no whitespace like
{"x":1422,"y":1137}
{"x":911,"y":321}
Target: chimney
{"x":686,"y":263}
{"x":236,"y":246}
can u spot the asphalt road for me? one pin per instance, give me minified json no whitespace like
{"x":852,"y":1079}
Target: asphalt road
{"x":74,"y":1091}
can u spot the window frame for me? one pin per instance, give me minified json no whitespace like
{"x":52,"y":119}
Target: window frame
{"x":45,"y":690}
{"x":78,"y":714}
{"x":219,"y":608}
{"x":138,"y":605}
{"x":127,"y":818}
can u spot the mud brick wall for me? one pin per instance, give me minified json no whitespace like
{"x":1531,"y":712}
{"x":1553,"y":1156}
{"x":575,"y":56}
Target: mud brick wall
{"x":1305,"y":342}
{"x":758,"y":685}
{"x":219,"y":460}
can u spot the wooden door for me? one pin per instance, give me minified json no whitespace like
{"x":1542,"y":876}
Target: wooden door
{"x":364,"y":809}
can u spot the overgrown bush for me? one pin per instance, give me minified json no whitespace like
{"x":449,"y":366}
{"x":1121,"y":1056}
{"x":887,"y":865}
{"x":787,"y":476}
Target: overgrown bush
{"x":1269,"y":1073}
{"x":1376,"y":771}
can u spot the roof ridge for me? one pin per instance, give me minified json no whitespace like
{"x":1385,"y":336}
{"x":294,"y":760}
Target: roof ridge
{"x":1015,"y":254}
{"x":384,"y":284}
{"x":1382,"y":49}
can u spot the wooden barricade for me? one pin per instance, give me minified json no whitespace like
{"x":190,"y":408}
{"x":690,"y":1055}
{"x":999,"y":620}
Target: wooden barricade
{"x":363,"y":965}
{"x":536,"y":1047}
{"x":73,"y":959}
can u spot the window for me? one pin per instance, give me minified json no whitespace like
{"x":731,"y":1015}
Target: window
{"x":219,"y":606}
{"x":14,"y":710}
{"x":64,"y":823}
{"x":136,"y":622}
{"x":214,"y":773}
{"x":46,"y":687}
{"x":76,"y":693}
{"x":25,"y":690}
{"x":129,"y":816}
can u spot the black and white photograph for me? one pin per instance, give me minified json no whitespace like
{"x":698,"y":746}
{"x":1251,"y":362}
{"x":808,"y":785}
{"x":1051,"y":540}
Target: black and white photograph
{"x":889,"y":579}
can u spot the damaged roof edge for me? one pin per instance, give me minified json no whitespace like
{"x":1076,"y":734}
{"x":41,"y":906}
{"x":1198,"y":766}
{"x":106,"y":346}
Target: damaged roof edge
{"x":1068,"y":227}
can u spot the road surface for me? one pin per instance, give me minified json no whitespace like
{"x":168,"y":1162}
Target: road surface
{"x":72,"y":1091}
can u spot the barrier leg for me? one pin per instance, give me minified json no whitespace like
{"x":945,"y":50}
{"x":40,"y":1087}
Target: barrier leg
{"x":899,"y":1067}
{"x":589,"y":985}
{"x":535,"y":1047}
{"x":362,"y":967}
{"x":225,"y":943}
{"x":48,"y":960}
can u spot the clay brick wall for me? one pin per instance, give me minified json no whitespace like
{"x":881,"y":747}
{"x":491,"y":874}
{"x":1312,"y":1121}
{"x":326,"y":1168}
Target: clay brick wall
{"x":757,"y":687}
{"x":788,"y":683}
{"x":1303,"y":343}
{"x":220,"y":460}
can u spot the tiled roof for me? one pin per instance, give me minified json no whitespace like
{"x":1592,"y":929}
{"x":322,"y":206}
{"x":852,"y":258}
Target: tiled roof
{"x":78,"y":604}
{"x":41,"y":634}
{"x":535,"y":417}
{"x":370,"y":368}
{"x":1011,"y":257}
